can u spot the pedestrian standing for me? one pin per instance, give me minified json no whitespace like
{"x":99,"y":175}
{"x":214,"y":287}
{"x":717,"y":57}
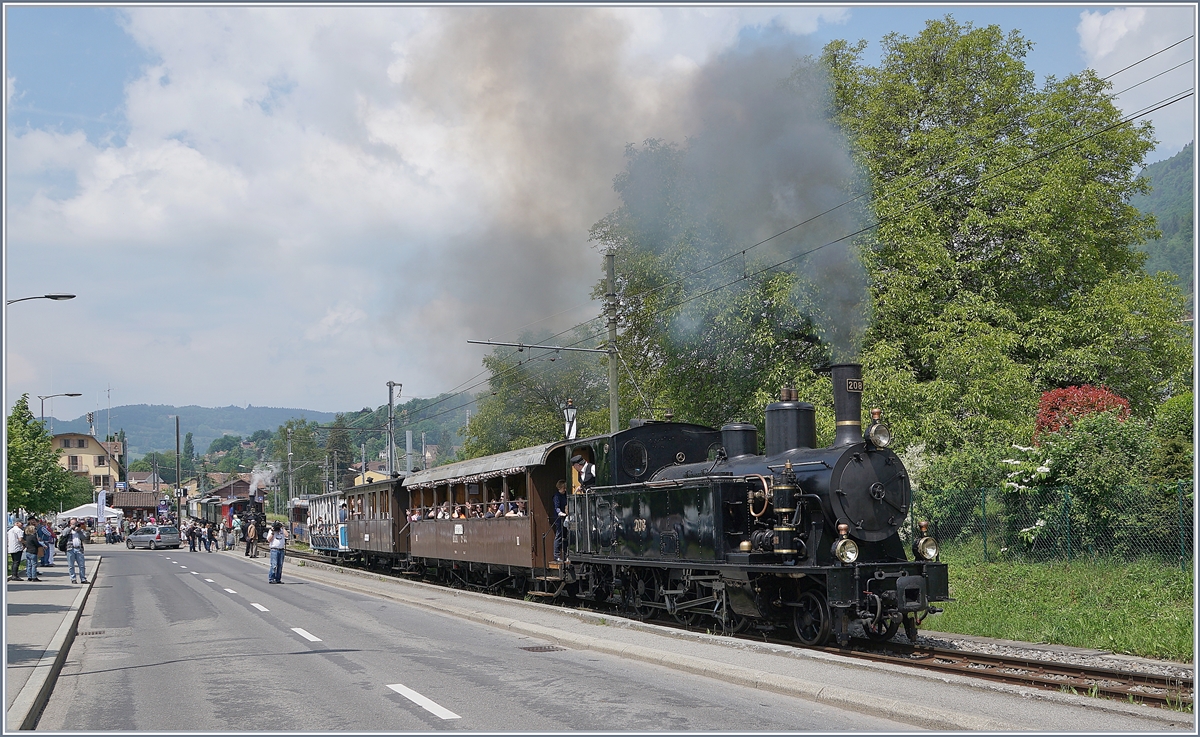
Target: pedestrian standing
{"x":252,"y":540}
{"x":33,"y":550}
{"x":78,"y":534}
{"x":277,"y":538}
{"x":51,"y":546}
{"x":45,"y":541}
{"x":16,"y":548}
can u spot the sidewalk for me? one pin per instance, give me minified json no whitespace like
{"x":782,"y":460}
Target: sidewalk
{"x":39,"y":627}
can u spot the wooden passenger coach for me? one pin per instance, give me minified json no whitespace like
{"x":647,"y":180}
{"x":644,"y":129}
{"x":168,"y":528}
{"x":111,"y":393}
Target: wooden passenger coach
{"x":523,"y":477}
{"x":375,"y":524}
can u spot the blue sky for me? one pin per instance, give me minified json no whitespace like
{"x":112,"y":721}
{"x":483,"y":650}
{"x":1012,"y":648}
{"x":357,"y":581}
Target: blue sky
{"x":292,"y":206}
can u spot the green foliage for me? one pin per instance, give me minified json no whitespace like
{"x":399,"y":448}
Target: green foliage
{"x":1175,"y":419}
{"x":529,"y":390}
{"x":1170,"y":201}
{"x":997,"y":272}
{"x":306,"y":457}
{"x":35,"y":480}
{"x":711,"y":355}
{"x":224,"y":444}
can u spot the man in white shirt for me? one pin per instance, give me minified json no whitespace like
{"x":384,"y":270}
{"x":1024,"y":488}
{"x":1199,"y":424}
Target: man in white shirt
{"x":277,"y":538}
{"x":16,"y":548}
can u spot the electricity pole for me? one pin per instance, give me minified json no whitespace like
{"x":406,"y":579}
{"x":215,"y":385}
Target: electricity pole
{"x":289,"y":452}
{"x":614,"y":423}
{"x":391,"y":429}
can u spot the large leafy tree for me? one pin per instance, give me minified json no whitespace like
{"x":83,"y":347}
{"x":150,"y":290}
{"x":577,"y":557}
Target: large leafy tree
{"x":1004,"y":262}
{"x":36,"y":481}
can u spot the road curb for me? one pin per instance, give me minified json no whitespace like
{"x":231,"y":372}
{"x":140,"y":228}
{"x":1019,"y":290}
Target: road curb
{"x":783,"y":685}
{"x":28,"y":705}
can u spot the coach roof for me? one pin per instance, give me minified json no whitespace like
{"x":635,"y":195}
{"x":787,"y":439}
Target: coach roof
{"x":483,"y":468}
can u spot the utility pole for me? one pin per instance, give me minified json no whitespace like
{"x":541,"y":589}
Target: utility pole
{"x":178,"y":476}
{"x":408,"y":450}
{"x":614,"y":423}
{"x":391,"y":429}
{"x":424,"y":458}
{"x":289,"y":452}
{"x":364,"y":463}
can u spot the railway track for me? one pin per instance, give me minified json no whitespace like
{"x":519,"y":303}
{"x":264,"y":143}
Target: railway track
{"x":1132,"y":686}
{"x":1125,"y":685}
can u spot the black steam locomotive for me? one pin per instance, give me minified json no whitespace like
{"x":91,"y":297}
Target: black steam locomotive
{"x":691,"y":522}
{"x":682,"y":521}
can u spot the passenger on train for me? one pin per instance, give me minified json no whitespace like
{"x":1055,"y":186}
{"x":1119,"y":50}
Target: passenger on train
{"x":493,"y":511}
{"x":516,"y":509}
{"x":444,"y":511}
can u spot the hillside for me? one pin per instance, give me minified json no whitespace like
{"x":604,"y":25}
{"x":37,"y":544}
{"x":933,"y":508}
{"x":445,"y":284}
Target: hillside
{"x":1170,"y":201}
{"x":152,"y":427}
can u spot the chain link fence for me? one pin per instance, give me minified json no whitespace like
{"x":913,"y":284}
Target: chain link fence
{"x":1062,"y":523}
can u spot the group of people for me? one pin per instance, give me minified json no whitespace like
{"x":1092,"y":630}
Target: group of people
{"x":34,"y":541}
{"x":514,"y":508}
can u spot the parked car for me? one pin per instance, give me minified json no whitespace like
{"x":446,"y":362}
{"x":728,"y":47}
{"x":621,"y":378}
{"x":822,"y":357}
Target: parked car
{"x":153,"y":537}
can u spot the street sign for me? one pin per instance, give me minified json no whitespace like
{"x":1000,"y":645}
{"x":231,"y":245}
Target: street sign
{"x":258,"y":499}
{"x":121,"y":486}
{"x":179,"y":493}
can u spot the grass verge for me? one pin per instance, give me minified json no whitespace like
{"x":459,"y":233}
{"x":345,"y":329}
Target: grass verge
{"x":1141,"y":608}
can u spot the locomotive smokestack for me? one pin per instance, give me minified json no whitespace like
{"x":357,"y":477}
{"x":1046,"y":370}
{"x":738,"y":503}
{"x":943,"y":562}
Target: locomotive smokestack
{"x":847,"y":403}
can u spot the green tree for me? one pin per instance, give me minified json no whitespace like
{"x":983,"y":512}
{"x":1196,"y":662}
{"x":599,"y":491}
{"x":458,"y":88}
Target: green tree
{"x":36,"y":481}
{"x":1004,"y":262}
{"x":189,"y":454}
{"x":307,"y":457}
{"x":710,"y":352}
{"x":529,"y":390}
{"x":225,"y":443}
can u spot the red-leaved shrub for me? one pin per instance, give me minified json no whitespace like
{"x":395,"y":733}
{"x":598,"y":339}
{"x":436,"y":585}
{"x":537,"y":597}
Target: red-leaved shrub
{"x":1058,"y":408}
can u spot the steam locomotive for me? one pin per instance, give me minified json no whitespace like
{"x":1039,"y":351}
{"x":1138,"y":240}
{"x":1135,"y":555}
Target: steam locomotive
{"x":683,"y":521}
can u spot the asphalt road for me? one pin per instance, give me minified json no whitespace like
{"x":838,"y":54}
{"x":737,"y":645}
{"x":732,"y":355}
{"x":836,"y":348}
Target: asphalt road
{"x":173,"y":640}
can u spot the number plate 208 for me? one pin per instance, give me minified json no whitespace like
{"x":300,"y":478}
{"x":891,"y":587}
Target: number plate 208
{"x":854,"y":385}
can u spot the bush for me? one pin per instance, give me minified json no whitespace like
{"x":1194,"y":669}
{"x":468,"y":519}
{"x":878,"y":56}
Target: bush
{"x":1060,"y":408}
{"x":1174,"y":418}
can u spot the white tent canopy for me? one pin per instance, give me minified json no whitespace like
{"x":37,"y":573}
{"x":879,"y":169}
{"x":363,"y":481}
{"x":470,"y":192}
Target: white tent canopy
{"x":86,"y":511}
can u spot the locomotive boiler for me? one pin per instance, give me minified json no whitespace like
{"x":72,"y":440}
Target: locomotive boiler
{"x":692,"y":522}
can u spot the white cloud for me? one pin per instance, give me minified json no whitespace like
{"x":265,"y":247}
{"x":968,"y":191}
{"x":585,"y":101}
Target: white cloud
{"x":1114,"y":39}
{"x":302,"y":184}
{"x":1100,"y":32}
{"x":335,"y":322}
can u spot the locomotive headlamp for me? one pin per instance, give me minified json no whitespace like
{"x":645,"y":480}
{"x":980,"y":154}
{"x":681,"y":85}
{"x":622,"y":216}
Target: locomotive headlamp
{"x":846,"y":550}
{"x":926,"y":547}
{"x":878,"y":433}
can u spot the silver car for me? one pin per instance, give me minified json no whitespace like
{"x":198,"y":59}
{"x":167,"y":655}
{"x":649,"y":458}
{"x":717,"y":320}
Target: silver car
{"x":153,"y":537}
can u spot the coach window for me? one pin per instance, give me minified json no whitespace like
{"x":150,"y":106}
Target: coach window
{"x":385,"y":509}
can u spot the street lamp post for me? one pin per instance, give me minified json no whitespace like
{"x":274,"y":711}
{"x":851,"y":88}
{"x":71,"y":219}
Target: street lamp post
{"x":55,"y":297}
{"x":51,"y":396}
{"x":569,"y":414}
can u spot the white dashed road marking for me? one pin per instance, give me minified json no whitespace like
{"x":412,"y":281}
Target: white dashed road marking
{"x":209,"y":580}
{"x":195,"y":573}
{"x":306,"y":635}
{"x":183,"y":566}
{"x":231,"y":591}
{"x":259,"y":607}
{"x":426,"y":704}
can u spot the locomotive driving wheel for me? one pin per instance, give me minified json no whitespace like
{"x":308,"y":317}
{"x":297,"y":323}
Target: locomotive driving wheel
{"x":645,"y":590}
{"x":811,"y":618}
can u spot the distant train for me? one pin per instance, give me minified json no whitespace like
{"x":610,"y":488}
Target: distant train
{"x":216,"y":509}
{"x":684,"y":521}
